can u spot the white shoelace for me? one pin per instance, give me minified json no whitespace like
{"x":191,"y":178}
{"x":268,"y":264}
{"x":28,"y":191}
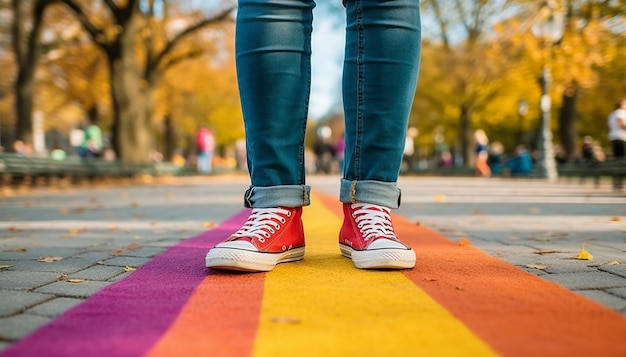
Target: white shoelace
{"x":262,"y":223}
{"x":373,"y":221}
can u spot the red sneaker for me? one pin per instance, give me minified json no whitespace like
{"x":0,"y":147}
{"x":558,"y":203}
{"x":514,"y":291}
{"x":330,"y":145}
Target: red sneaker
{"x":367,"y":237}
{"x":270,"y":236}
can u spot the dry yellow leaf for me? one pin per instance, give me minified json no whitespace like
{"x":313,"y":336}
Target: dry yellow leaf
{"x":76,"y":230}
{"x":75,"y":280}
{"x":584,"y":254}
{"x":616,"y":219}
{"x":208,"y":225}
{"x":6,"y":266}
{"x":537,"y":266}
{"x":440,"y":198}
{"x":14,"y":229}
{"x":614,"y":262}
{"x":464,"y":242}
{"x":49,"y":259}
{"x":113,"y":228}
{"x":129,"y":268}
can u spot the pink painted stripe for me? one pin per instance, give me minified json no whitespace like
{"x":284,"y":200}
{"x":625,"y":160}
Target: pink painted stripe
{"x":129,"y":317}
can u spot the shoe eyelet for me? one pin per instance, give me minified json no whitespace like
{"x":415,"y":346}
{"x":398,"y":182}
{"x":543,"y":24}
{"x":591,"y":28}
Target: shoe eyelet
{"x":288,"y":214}
{"x":272,"y":230}
{"x":262,"y":240}
{"x":267,"y":235}
{"x":282,"y":220}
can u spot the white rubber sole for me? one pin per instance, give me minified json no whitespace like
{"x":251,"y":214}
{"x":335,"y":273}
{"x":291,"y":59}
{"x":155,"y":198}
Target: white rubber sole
{"x":380,"y":258}
{"x":249,"y":261}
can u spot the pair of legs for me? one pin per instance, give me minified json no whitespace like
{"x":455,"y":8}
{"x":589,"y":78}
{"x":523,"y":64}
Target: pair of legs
{"x":619,"y":152}
{"x":273,"y":53}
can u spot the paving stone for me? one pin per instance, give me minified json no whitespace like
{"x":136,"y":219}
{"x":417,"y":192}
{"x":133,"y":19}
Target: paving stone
{"x":13,"y":302}
{"x":126,"y":261}
{"x":25,"y":280}
{"x":619,"y":269}
{"x":15,"y":327}
{"x":621,"y":292}
{"x":54,"y":307}
{"x":97,"y":272}
{"x":587,"y":280}
{"x":145,"y":252}
{"x":119,"y":277}
{"x":78,"y":290}
{"x":603,"y":298}
{"x":4,"y":345}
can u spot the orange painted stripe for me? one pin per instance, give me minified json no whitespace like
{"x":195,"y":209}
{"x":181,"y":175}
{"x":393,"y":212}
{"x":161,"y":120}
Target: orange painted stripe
{"x":223,"y":308}
{"x":515,"y":312}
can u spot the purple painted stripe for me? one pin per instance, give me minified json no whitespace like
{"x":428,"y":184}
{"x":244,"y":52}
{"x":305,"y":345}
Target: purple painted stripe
{"x":127,"y":318}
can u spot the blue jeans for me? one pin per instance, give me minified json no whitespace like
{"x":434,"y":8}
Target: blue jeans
{"x":273,"y":53}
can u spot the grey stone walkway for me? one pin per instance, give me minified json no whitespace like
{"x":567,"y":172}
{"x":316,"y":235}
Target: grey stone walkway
{"x":57,"y":247}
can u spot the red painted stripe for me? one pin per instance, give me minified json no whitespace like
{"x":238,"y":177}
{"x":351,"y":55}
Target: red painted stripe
{"x":515,"y":312}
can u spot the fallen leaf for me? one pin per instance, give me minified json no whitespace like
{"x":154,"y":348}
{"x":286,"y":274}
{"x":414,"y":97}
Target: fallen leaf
{"x":285,"y":319}
{"x":126,"y":249}
{"x":547,"y":251}
{"x":113,"y":228}
{"x":440,"y":198}
{"x":584,"y":254}
{"x":75,"y":280}
{"x":49,"y":259}
{"x":19,"y":250}
{"x":129,"y":269}
{"x":537,"y":266}
{"x":14,"y":229}
{"x":64,"y":210}
{"x":76,"y":230}
{"x":614,"y":262}
{"x":6,"y":266}
{"x":616,"y":219}
{"x":464,"y":242}
{"x":208,"y":225}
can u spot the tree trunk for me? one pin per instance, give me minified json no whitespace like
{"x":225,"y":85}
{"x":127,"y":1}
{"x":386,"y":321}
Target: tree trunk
{"x":568,"y":130}
{"x":464,"y":136}
{"x":24,"y":103}
{"x":27,"y":52}
{"x":131,"y":130}
{"x":169,"y":137}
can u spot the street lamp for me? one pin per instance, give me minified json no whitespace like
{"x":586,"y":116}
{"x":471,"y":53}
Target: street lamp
{"x":548,"y":26}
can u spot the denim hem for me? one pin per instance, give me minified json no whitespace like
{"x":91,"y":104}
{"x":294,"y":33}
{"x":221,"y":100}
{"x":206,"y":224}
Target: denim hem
{"x":380,"y":193}
{"x":275,"y":196}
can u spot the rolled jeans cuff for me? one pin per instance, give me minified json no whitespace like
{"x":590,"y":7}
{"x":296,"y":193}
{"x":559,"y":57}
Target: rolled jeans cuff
{"x":380,"y":193}
{"x":275,"y":196}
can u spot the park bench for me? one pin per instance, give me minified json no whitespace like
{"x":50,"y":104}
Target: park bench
{"x":16,"y":169}
{"x":610,"y":168}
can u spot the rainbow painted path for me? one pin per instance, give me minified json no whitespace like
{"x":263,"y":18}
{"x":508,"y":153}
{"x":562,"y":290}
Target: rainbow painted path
{"x":458,"y":301}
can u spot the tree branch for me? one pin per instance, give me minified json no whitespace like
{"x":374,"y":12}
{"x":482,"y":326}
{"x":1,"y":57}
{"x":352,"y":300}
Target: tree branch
{"x":94,"y":32}
{"x":191,"y":29}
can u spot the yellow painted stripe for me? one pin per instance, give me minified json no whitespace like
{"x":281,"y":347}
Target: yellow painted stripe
{"x":324,"y":306}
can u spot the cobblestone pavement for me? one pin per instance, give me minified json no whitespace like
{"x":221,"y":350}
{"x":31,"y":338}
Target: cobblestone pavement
{"x":57,"y":247}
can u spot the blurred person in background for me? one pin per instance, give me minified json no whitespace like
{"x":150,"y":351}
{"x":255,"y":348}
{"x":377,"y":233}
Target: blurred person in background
{"x":617,"y":135}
